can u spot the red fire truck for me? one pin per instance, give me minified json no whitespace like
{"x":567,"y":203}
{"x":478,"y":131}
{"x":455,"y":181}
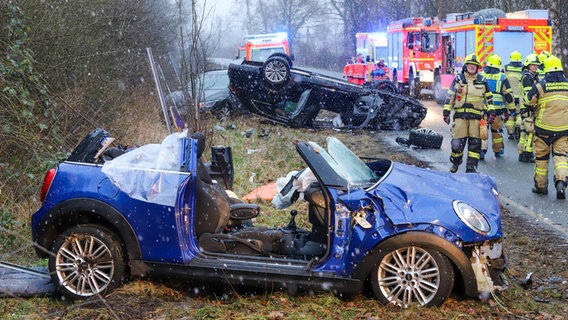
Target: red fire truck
{"x":465,"y":33}
{"x":414,"y":53}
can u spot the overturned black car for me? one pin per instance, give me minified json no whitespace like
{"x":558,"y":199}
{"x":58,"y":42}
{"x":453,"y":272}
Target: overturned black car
{"x":294,"y":97}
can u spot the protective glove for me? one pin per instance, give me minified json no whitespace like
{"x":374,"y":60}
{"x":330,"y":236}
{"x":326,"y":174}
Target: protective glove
{"x":447,"y":116}
{"x":492,"y":117}
{"x":506,"y":115}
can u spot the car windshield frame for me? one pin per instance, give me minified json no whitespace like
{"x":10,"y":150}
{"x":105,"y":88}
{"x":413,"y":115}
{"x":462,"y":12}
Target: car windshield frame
{"x":338,"y":166}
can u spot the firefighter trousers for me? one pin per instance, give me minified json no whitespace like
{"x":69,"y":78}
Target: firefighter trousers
{"x":543,"y":145}
{"x":527,"y":134}
{"x":466,"y":131}
{"x":497,"y":134}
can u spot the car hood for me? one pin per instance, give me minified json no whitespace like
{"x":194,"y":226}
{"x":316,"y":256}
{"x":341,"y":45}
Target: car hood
{"x":413,"y":195}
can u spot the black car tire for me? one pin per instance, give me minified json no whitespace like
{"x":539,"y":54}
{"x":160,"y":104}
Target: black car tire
{"x":425,"y":138}
{"x":276,"y":71}
{"x":405,"y":271}
{"x":283,"y":55}
{"x":386,"y":85}
{"x":439,"y":94}
{"x":87,"y":260}
{"x":413,"y":86}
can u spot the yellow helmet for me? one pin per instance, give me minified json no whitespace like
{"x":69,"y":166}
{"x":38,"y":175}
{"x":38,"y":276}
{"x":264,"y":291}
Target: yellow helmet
{"x":494,"y":61}
{"x":552,"y":64}
{"x":516,"y":56}
{"x":472,"y":59}
{"x":543,"y":55}
{"x":531,"y":59}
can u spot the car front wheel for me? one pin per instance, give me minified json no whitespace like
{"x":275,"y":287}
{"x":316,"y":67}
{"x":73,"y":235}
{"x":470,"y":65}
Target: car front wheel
{"x":88,"y":260}
{"x":412,"y":275}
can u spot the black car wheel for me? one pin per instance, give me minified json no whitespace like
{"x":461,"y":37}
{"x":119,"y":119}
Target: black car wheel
{"x":425,"y":138}
{"x":276,"y":71}
{"x":386,"y":85}
{"x":413,"y":86}
{"x":412,"y":275}
{"x":88,"y":260}
{"x":439,"y":94}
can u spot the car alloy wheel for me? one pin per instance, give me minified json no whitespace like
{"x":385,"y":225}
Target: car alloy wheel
{"x":276,"y":71}
{"x":412,"y":276}
{"x":87,"y":261}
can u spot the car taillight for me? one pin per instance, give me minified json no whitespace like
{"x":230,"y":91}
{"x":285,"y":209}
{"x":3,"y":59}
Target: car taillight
{"x":47,"y":183}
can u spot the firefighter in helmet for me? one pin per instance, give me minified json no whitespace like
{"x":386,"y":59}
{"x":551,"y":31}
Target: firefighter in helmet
{"x":529,"y":77}
{"x":468,"y":96}
{"x":502,"y":102}
{"x":543,"y":55}
{"x":513,"y":71}
{"x":550,"y":98}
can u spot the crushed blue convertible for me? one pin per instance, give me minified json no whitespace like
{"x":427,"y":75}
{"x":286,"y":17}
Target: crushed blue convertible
{"x":409,"y":235}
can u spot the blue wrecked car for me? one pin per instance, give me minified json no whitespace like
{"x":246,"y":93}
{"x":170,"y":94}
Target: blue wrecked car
{"x":412,"y":236}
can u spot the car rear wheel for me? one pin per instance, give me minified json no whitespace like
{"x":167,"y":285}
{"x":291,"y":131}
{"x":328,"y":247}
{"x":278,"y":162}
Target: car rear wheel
{"x":88,"y":260}
{"x":412,"y":275}
{"x":276,"y":71}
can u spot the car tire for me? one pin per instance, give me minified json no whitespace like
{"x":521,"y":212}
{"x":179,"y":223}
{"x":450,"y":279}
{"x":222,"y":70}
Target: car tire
{"x":412,"y":275}
{"x":413,"y":86}
{"x":87,"y":261}
{"x":386,"y":85}
{"x":439,"y":94}
{"x":276,"y":71}
{"x":425,"y":138}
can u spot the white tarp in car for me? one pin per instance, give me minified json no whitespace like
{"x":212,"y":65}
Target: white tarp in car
{"x":150,"y":173}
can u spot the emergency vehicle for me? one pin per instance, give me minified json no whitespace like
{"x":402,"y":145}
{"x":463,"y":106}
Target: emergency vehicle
{"x":260,"y":46}
{"x":414,"y":53}
{"x":372,"y":45}
{"x":526,"y":31}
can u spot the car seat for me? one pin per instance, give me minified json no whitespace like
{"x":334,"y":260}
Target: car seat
{"x":215,"y":213}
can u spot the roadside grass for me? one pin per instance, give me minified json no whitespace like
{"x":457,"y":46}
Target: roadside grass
{"x":270,"y":158}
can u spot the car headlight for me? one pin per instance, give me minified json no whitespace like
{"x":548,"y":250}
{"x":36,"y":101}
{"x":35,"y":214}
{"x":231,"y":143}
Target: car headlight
{"x":471,"y":217}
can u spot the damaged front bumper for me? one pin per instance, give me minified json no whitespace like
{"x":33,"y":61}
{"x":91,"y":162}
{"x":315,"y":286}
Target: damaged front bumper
{"x":489,"y":264}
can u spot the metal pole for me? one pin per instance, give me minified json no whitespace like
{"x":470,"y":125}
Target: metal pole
{"x":159,"y":89}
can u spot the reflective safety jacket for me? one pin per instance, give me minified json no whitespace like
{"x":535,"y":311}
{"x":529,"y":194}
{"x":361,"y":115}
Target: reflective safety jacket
{"x":528,"y":79}
{"x":513,"y":71}
{"x":469,"y":96}
{"x":355,"y":73}
{"x":500,"y":87}
{"x":550,"y":97}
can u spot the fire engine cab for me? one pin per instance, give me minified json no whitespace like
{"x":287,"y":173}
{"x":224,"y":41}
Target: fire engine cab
{"x":260,"y":46}
{"x":414,"y":53}
{"x":465,"y":33}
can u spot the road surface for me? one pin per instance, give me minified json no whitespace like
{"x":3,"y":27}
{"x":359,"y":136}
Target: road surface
{"x":514,"y":178}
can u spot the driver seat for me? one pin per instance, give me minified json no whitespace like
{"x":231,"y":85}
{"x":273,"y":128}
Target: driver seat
{"x":215,"y":213}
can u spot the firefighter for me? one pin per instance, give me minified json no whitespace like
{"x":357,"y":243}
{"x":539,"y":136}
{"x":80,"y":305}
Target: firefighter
{"x":543,"y":55}
{"x":513,"y":71}
{"x":528,"y":78}
{"x":550,"y":98}
{"x":502,"y":101}
{"x":469,"y":96}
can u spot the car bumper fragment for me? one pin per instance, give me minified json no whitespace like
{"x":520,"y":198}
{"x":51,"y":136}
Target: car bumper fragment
{"x":489,"y":263}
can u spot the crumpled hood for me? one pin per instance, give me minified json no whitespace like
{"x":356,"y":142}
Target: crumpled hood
{"x":413,"y":195}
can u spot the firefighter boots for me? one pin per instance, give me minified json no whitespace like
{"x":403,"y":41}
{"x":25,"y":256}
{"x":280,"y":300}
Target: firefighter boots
{"x":454,"y":168}
{"x":560,"y":189}
{"x":538,"y":190}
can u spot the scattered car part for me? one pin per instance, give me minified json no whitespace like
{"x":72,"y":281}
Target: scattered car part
{"x":157,"y":210}
{"x":425,"y":138}
{"x":294,"y":97}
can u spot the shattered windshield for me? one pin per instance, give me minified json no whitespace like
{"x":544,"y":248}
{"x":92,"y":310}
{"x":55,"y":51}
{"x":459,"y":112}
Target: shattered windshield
{"x":347,"y":165}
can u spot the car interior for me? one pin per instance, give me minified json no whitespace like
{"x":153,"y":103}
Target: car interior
{"x":223,"y":224}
